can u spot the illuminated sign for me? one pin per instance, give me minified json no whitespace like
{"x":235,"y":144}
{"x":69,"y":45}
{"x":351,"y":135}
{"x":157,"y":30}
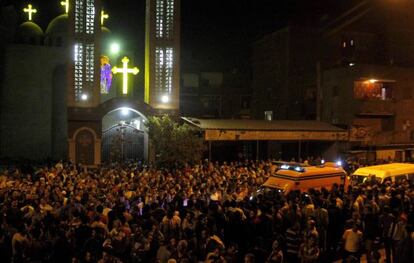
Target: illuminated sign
{"x":106,"y":75}
{"x":30,"y":11}
{"x":125,"y":71}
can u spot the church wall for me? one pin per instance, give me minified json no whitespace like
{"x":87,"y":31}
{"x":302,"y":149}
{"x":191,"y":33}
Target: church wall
{"x":27,"y":102}
{"x":59,"y":113}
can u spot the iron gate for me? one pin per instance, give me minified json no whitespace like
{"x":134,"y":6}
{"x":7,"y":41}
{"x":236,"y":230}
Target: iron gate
{"x":122,"y":142}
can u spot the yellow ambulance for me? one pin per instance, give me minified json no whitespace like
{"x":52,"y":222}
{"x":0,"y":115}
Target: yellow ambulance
{"x":291,"y":177}
{"x":394,"y":172}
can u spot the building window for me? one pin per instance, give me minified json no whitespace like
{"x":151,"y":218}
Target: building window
{"x":373,"y":90}
{"x":348,"y":49}
{"x":78,"y":70}
{"x":169,"y":19}
{"x":90,"y":62}
{"x":90,"y":16}
{"x":164,"y":19}
{"x":79,"y":16}
{"x":159,"y":18}
{"x":164,"y":62}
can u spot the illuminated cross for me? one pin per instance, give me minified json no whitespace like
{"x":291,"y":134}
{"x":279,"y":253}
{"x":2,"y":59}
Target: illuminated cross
{"x":30,"y":11}
{"x":125,"y":71}
{"x":103,"y":17}
{"x":66,"y":5}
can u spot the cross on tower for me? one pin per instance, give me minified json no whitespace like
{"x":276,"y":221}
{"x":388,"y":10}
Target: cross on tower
{"x":103,"y":17}
{"x":125,"y":71}
{"x":66,"y":5}
{"x":29,"y":10}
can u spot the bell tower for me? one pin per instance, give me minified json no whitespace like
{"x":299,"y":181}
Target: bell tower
{"x":162,"y":54}
{"x":83,"y":94}
{"x":84,"y":17}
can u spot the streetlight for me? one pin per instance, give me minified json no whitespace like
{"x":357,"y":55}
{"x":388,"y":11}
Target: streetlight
{"x":84,"y":96}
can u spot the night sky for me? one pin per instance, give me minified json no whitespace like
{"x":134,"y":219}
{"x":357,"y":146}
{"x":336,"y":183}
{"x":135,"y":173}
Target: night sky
{"x":216,"y":34}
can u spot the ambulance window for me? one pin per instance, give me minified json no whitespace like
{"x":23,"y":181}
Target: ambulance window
{"x":362,"y":179}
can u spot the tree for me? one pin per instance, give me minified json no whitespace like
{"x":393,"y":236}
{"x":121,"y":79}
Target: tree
{"x":172,"y":142}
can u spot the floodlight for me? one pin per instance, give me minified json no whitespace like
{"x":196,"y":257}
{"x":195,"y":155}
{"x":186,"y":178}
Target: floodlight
{"x":165,"y":99}
{"x":115,"y":48}
{"x":124,"y":111}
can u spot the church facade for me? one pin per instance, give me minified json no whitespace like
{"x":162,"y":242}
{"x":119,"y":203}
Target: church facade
{"x":61,"y":98}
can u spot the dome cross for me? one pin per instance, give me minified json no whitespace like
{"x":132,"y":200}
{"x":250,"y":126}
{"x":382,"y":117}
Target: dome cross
{"x":103,"y":17}
{"x":30,"y":11}
{"x":66,"y":5}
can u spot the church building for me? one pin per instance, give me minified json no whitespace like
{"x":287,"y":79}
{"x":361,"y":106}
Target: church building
{"x":61,"y":97}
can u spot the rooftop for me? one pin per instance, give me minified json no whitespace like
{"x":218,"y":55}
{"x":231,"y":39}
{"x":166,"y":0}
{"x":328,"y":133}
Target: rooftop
{"x":261,"y":125}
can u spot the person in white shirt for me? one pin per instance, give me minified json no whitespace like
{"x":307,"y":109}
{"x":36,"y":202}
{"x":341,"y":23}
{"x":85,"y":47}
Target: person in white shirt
{"x":352,"y":243}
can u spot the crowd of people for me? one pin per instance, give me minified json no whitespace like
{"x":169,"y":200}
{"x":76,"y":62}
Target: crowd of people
{"x":198,"y":213}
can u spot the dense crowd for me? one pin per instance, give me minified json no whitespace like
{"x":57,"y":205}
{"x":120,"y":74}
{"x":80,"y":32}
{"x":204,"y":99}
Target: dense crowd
{"x":199,"y":213}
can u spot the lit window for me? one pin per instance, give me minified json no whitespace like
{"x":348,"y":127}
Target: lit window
{"x":90,"y":16}
{"x":373,"y":90}
{"x":90,"y":62}
{"x":78,"y":70}
{"x":159,"y":18}
{"x":164,"y":19}
{"x":164,"y":63}
{"x":79,"y":16}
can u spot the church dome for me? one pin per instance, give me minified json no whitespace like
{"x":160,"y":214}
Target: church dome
{"x":105,"y":30}
{"x":59,"y":25}
{"x":105,"y":34}
{"x":29,"y":32}
{"x":57,"y":31}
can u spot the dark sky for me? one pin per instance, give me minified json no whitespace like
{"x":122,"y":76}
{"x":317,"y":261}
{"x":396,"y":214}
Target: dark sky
{"x":216,"y":34}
